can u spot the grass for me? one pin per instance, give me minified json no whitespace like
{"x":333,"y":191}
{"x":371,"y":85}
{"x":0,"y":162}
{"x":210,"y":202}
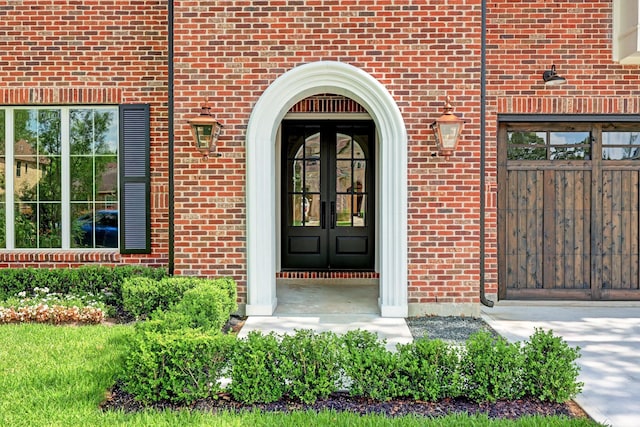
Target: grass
{"x":58,"y":375}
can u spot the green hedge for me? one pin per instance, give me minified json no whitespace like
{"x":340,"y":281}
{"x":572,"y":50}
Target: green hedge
{"x":549,"y":372}
{"x":257,"y":374}
{"x":142,"y":295}
{"x":86,"y":279}
{"x":308,"y":366}
{"x":428,"y":370}
{"x":491,"y":368}
{"x":178,"y":366}
{"x":311,"y":365}
{"x":371,"y":368}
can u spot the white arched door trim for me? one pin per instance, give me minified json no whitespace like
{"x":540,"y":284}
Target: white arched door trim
{"x":296,"y":85}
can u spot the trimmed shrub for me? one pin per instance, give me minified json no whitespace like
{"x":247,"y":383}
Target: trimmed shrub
{"x":142,"y":296}
{"x":86,"y":279}
{"x":429,"y":370}
{"x":311,"y":364}
{"x":257,"y":372}
{"x":171,"y":361}
{"x":229,"y":286}
{"x":205,"y":305}
{"x":370,"y":367}
{"x":491,"y":368}
{"x":164,"y":321}
{"x":551,"y":372}
{"x":179,"y":366}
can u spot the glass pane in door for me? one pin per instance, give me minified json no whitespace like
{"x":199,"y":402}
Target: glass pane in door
{"x":304,"y":181}
{"x":343,"y":210}
{"x":351,"y":178}
{"x":343,"y":146}
{"x":312,"y":213}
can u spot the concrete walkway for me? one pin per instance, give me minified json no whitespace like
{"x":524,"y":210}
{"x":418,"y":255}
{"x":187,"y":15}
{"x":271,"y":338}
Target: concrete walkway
{"x":608,"y":335}
{"x":323,"y":307}
{"x":394,"y":331}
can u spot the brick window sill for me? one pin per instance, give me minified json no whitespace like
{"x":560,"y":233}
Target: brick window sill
{"x":58,"y":256}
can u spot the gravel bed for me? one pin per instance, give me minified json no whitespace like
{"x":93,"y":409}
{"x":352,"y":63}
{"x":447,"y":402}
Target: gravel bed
{"x":448,"y":329}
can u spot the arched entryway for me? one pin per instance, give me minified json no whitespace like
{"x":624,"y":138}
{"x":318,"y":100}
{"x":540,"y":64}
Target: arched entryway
{"x":293,"y":86}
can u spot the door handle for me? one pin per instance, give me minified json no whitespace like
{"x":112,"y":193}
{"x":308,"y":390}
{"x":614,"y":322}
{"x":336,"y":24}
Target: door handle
{"x":323,"y":215}
{"x":333,"y":214}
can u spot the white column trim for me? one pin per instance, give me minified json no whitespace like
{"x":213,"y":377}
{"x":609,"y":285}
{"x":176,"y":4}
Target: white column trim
{"x":293,"y":86}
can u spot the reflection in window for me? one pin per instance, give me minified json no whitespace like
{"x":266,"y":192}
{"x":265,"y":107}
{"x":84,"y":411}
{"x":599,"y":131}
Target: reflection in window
{"x":94,"y":184}
{"x":37,"y":193}
{"x":351,"y":178}
{"x":539,"y":145}
{"x":620,"y":145}
{"x":570,"y":145}
{"x":47,"y":212}
{"x":527,"y":145}
{"x":304,"y":188}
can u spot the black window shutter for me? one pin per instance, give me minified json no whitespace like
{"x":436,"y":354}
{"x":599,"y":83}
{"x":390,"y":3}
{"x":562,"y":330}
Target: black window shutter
{"x":135,"y":198}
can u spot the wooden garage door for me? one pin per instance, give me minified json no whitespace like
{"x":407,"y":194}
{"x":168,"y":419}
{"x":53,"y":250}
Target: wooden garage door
{"x":568,"y":220}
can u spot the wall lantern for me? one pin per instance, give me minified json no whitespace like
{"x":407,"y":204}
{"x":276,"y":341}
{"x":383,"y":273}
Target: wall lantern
{"x":206,"y":130}
{"x":446,"y":130}
{"x":551,"y":78}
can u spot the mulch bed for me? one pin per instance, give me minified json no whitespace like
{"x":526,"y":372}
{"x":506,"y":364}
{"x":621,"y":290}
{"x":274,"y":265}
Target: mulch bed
{"x":117,"y":399}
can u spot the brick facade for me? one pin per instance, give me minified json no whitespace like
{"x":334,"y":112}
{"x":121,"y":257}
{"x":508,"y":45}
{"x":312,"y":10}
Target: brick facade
{"x":111,"y":51}
{"x":59,"y":52}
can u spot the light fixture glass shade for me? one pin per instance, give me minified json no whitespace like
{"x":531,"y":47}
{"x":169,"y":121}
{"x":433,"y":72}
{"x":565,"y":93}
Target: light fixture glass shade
{"x":206,"y":131}
{"x":205,"y":136}
{"x":449,"y":134}
{"x":446,"y":130}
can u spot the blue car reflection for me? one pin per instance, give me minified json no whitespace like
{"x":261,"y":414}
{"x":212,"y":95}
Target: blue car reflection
{"x":106,"y":229}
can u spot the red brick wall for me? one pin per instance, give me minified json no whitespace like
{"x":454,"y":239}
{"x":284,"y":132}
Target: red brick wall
{"x":232,"y":50}
{"x":90,"y":52}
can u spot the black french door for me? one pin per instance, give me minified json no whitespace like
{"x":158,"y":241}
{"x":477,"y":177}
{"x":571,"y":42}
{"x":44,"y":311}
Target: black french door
{"x":328,"y":195}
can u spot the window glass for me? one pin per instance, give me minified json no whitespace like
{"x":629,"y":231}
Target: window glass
{"x":93,"y":144}
{"x":570,"y":145}
{"x":351,"y":177}
{"x":542,"y":145}
{"x":50,"y":213}
{"x":37,"y":192}
{"x":304,"y":187}
{"x":620,"y":145}
{"x":527,"y":145}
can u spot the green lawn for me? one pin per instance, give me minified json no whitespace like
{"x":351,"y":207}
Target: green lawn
{"x":57,"y":376}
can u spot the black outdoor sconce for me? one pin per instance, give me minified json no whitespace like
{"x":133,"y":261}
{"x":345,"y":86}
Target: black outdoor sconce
{"x":446,"y":130}
{"x":551,"y":78}
{"x":206,"y":131}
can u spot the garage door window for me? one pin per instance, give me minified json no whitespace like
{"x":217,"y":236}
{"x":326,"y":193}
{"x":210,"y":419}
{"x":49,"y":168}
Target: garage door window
{"x":545,"y":145}
{"x":620,"y":145}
